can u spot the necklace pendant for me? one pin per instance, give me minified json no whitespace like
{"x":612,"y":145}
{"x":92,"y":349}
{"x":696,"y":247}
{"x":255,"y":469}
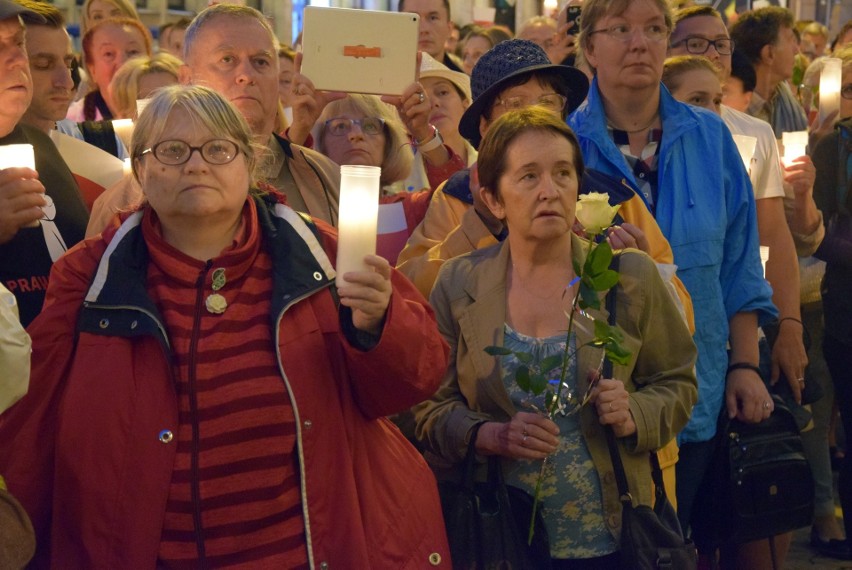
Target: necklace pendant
{"x":215,"y":303}
{"x":219,"y":279}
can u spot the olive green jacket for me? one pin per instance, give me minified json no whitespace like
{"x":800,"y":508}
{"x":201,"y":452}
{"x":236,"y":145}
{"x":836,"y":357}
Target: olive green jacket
{"x":469,"y":300}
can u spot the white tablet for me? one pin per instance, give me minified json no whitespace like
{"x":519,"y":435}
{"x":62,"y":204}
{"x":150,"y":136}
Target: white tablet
{"x":359,"y":51}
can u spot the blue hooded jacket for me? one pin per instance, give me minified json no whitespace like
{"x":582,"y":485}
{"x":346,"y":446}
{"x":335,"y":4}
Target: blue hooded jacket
{"x":705,"y":208}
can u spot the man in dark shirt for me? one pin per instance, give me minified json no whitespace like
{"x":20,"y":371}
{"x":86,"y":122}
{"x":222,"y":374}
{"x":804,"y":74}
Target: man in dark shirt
{"x":41,"y":212}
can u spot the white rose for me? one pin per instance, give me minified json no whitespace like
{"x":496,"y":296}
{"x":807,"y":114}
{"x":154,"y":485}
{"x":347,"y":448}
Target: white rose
{"x":595,"y":213}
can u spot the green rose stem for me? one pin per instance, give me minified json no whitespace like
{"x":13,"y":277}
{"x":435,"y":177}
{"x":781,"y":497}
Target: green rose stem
{"x":553,"y":405}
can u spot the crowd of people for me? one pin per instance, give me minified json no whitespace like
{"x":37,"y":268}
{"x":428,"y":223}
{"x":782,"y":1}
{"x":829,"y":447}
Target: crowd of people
{"x":185,"y":381}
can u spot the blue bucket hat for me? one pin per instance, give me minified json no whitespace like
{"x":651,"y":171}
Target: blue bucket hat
{"x":501,"y":63}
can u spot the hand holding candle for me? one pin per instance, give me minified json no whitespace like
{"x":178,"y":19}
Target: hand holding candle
{"x":22,"y":195}
{"x":795,"y":143}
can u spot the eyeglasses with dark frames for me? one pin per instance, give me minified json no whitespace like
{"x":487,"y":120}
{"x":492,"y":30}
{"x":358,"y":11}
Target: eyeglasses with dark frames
{"x":697,"y":45}
{"x":177,"y":152}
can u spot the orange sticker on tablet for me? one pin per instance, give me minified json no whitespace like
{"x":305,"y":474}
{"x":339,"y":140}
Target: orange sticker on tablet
{"x":362,"y":51}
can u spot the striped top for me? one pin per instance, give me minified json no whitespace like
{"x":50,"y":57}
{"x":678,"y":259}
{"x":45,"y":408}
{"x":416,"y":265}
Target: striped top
{"x":234,"y":498}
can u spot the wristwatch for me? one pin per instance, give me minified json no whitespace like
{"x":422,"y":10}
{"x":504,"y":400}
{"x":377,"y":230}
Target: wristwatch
{"x":433,"y":143}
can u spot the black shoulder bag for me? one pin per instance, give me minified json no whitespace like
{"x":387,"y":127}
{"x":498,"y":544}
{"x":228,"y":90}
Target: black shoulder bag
{"x":487,"y":521}
{"x":651,"y":538}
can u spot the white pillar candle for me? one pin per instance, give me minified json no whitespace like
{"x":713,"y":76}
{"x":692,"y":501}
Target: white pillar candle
{"x":795,"y":143}
{"x":124,"y":129}
{"x":18,"y":156}
{"x":829,"y":87}
{"x":746,"y":146}
{"x":357,"y":224}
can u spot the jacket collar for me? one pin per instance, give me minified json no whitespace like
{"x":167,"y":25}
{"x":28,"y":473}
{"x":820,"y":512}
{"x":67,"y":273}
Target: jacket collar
{"x":481,"y":322}
{"x":300,"y":267}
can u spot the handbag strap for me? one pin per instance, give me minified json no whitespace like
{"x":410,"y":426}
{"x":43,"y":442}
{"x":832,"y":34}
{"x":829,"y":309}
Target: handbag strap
{"x":469,"y":464}
{"x":615,"y":455}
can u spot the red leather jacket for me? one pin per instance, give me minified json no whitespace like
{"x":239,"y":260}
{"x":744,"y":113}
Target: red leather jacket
{"x":82,"y":450}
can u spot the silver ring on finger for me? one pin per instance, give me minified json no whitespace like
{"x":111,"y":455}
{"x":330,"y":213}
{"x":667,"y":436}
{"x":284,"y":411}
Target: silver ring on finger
{"x":800,"y":380}
{"x":766,"y":405}
{"x":421,"y":96}
{"x":524,"y":441}
{"x":610,"y":407}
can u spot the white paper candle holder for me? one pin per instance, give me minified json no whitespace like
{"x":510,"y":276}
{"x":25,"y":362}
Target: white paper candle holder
{"x":829,"y":88}
{"x":17,"y":156}
{"x":795,"y":143}
{"x":357,"y":223}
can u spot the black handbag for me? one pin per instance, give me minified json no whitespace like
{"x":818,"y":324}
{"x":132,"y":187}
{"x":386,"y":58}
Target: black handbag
{"x":487,"y":522}
{"x":651,"y":537}
{"x":760,"y":484}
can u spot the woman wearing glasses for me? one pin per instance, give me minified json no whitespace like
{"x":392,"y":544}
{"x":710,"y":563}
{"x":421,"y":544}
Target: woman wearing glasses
{"x":201,"y":393}
{"x":362,"y":130}
{"x":685,"y":166}
{"x":514,"y":294}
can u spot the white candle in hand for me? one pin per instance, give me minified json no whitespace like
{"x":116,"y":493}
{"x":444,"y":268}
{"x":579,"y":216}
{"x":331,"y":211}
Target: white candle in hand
{"x":829,"y":88}
{"x":795,"y":143}
{"x":357,"y":224}
{"x":18,"y":156}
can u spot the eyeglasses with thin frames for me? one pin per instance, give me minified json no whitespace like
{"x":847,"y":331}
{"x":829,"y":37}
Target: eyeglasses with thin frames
{"x":342,"y":126}
{"x":177,"y":152}
{"x":697,"y":45}
{"x":624,"y":33}
{"x":551,"y":101}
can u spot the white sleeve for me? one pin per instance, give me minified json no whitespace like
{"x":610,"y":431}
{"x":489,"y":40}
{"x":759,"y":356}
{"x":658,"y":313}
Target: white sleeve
{"x":14,"y":352}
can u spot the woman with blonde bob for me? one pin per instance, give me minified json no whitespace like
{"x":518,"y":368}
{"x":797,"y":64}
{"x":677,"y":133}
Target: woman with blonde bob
{"x":362,"y":130}
{"x":513,"y":294}
{"x":138,"y":78}
{"x":239,"y":397}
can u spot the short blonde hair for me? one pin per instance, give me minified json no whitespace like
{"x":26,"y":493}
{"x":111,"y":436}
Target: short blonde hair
{"x":204,"y":105}
{"x":124,"y":86}
{"x":397,"y":159}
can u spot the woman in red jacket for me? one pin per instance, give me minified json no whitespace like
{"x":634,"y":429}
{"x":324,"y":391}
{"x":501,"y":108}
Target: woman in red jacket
{"x":203,"y":396}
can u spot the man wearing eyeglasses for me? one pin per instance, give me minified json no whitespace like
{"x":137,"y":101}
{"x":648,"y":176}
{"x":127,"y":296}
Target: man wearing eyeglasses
{"x":700,"y":31}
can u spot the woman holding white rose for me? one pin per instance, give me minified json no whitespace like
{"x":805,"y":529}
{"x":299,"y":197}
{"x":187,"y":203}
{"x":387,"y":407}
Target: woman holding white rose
{"x":514,"y":294}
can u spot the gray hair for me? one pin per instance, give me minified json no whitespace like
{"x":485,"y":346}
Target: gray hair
{"x":204,"y":105}
{"x":223,"y":11}
{"x":397,"y":159}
